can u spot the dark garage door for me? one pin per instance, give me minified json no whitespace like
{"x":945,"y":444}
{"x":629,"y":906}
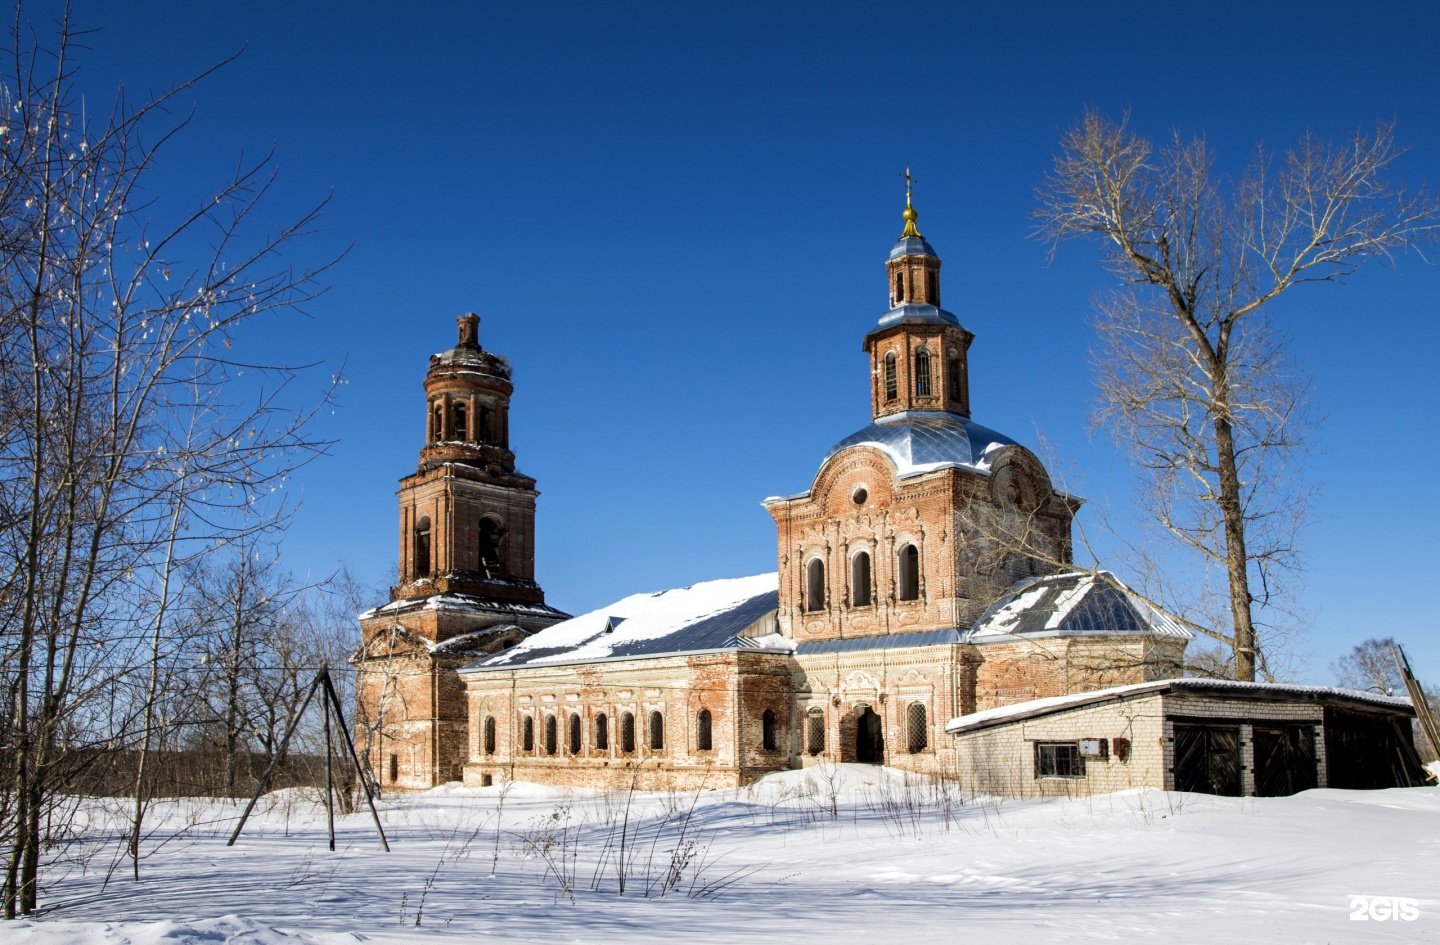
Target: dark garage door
{"x":1284,"y":759}
{"x":1207,"y":759}
{"x":1367,"y":751}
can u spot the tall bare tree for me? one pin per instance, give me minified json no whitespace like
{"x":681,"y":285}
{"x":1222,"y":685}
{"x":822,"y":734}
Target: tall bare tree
{"x":1195,"y":379}
{"x":131,"y":434}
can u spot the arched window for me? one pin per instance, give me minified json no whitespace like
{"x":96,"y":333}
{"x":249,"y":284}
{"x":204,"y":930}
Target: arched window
{"x":492,"y":536}
{"x":551,"y":741}
{"x":437,"y":423}
{"x":860,"y":580}
{"x":657,"y":731}
{"x":602,"y":732}
{"x":919,"y":732}
{"x":932,"y":287}
{"x":462,"y":429}
{"x":892,"y":385}
{"x":702,"y":731}
{"x":527,"y":734}
{"x":815,"y":585}
{"x":482,"y":425}
{"x":489,"y":734}
{"x":574,"y":733}
{"x":815,"y":737}
{"x":908,"y":573}
{"x":627,"y":733}
{"x":952,"y":376}
{"x":922,"y":373}
{"x":769,"y":731}
{"x":422,"y":547}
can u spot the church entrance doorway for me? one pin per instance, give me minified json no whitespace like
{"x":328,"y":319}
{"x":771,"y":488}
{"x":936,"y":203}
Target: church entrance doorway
{"x":869,"y":738}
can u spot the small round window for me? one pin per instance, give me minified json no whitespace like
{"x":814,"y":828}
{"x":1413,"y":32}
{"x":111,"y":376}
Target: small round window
{"x":860,"y":495}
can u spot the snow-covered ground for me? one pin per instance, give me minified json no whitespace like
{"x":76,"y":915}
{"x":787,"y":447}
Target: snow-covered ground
{"x":855,"y":854}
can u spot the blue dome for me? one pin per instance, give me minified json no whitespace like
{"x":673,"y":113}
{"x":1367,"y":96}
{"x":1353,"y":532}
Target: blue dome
{"x":911,"y":246}
{"x":923,"y":442}
{"x":915,"y":313}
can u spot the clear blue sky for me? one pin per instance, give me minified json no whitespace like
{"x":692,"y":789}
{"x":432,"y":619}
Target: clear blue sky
{"x":673,"y":220}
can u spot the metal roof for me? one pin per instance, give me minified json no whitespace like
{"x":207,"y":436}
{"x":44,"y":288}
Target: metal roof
{"x":882,"y":642}
{"x":716,"y":631}
{"x":1210,"y":688}
{"x":922,"y":442}
{"x":911,"y":246}
{"x":1076,"y":603}
{"x":915,"y":313}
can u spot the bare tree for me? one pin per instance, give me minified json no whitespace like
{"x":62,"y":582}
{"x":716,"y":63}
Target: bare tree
{"x":1370,"y":667}
{"x":1195,"y":382}
{"x":131,"y":433}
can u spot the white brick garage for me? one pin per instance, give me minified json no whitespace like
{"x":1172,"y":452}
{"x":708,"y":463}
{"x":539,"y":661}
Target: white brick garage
{"x":1208,"y":736}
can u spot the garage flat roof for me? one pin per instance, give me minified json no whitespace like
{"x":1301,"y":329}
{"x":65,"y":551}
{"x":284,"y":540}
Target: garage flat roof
{"x":1217,"y":688}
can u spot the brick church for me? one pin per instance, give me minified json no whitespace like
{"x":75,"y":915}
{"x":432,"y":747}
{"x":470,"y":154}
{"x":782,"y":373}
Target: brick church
{"x":925,"y":574}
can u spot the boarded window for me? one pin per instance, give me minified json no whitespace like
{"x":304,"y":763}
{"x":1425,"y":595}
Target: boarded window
{"x":627,"y":733}
{"x":602,"y":733}
{"x":527,"y":734}
{"x":908,"y":573}
{"x":952,"y":377}
{"x":1058,"y":760}
{"x":932,"y":286}
{"x":815,"y":585}
{"x":922,"y":373}
{"x":422,"y":547}
{"x":919,"y":729}
{"x":892,"y":385}
{"x":551,"y":739}
{"x":815,"y":737}
{"x":657,"y":731}
{"x":490,"y":735}
{"x":574,"y":734}
{"x":860,"y":580}
{"x":769,"y":731}
{"x":703,"y":740}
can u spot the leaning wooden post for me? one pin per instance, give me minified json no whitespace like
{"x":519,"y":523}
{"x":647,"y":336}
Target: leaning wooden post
{"x":359,"y":766}
{"x":329,"y":778}
{"x":1419,"y":703}
{"x":280,"y":753}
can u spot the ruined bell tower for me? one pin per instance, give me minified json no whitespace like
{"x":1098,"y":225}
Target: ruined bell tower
{"x":466,"y":584}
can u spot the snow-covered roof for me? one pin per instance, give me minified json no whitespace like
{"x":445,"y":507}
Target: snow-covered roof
{"x":710,"y":616}
{"x":1075,"y":603}
{"x":466,"y":602}
{"x":1222,"y":688}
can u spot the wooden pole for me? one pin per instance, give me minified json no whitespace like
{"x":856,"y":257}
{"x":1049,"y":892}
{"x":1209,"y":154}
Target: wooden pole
{"x":329,"y":777}
{"x":280,"y":753}
{"x":1418,"y":701}
{"x":360,"y":771}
